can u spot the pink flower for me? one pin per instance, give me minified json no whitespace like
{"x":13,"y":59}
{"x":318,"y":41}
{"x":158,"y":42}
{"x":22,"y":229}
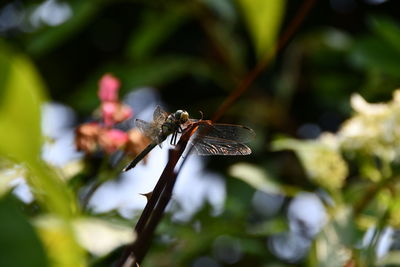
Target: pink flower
{"x":122,"y":113}
{"x":114,"y":112}
{"x":108,"y":88}
{"x":107,"y":110}
{"x":112,"y":139}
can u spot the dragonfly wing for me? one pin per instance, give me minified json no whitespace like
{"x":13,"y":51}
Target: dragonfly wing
{"x":150,"y":130}
{"x":159,"y":115}
{"x":210,"y":146}
{"x":227,"y":132}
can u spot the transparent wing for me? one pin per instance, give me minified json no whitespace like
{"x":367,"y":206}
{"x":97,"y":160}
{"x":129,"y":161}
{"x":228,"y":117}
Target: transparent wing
{"x":221,"y":139}
{"x":225,"y":133}
{"x":151,"y":130}
{"x":125,"y":125}
{"x":159,"y":115}
{"x":210,"y":146}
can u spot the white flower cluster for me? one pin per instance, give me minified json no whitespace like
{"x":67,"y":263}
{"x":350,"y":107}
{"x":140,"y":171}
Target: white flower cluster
{"x":374,"y":129}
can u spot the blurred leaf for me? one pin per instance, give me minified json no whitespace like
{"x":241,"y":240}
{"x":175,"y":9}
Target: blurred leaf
{"x":20,"y":129}
{"x":270,"y":227}
{"x":263,"y":19}
{"x":324,"y":165}
{"x":100,"y":237}
{"x":392,"y":258}
{"x":379,"y":52}
{"x":372,"y":53}
{"x":224,"y":8}
{"x":5,"y":180}
{"x":387,"y":29}
{"x":393,"y":202}
{"x":19,"y":244}
{"x":20,"y":107}
{"x":8,"y":172}
{"x":51,"y":37}
{"x":155,"y":28}
{"x":58,"y":237}
{"x":332,"y":246}
{"x":229,"y":48}
{"x":255,"y":177}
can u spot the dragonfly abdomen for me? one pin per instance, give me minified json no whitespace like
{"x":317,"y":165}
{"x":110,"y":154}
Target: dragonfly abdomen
{"x":140,"y":156}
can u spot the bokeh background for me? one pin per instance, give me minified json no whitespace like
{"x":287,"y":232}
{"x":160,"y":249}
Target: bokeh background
{"x":319,"y":189}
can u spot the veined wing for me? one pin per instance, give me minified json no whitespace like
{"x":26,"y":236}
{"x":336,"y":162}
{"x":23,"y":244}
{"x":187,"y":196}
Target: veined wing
{"x":213,"y":146}
{"x":159,"y":115}
{"x":225,"y":133}
{"x":221,"y":139}
{"x":149,"y":129}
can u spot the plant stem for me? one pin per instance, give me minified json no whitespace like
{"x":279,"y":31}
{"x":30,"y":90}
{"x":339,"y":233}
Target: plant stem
{"x":155,"y":207}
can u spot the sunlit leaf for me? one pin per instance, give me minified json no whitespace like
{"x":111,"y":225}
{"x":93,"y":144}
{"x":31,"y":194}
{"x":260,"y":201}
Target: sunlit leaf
{"x":19,"y":244}
{"x":258,"y":179}
{"x":8,"y":172}
{"x":263,"y":19}
{"x":20,"y":107}
{"x":392,"y":258}
{"x":100,"y":237}
{"x":20,"y":129}
{"x":58,"y":237}
{"x":255,"y":177}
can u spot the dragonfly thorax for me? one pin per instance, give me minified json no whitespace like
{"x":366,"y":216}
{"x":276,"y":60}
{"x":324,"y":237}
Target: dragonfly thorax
{"x":173,"y":123}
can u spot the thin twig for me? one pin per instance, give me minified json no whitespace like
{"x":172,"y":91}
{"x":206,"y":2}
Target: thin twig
{"x":262,"y":64}
{"x":370,"y":194}
{"x":155,"y":207}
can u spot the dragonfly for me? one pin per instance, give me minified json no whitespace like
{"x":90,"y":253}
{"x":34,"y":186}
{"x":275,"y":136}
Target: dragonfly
{"x":209,"y":138}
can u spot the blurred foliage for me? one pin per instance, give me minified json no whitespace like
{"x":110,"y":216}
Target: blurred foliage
{"x":18,"y":236}
{"x":317,"y":130}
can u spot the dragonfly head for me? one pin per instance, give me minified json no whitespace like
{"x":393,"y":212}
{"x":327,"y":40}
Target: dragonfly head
{"x":182,"y":116}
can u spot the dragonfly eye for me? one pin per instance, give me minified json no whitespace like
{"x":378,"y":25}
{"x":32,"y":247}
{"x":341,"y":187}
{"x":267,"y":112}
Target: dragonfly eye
{"x":182,"y":116}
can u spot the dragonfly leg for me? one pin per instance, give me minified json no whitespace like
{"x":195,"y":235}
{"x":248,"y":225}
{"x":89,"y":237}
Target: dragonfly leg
{"x":173,"y":138}
{"x":175,"y":135}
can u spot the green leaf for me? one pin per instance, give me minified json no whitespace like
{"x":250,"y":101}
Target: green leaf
{"x":20,"y":129}
{"x":155,"y":28}
{"x":263,"y":19}
{"x":58,"y":237}
{"x":392,"y":258}
{"x":259,"y":179}
{"x":7,"y":175}
{"x":20,"y":107}
{"x":371,"y":53}
{"x":388,"y":30}
{"x":19,"y":244}
{"x":100,"y":237}
{"x":255,"y":177}
{"x":51,"y":37}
